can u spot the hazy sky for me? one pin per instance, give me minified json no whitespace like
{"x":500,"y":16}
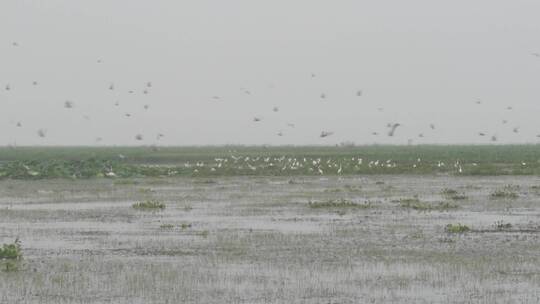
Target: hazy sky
{"x":422,"y":62}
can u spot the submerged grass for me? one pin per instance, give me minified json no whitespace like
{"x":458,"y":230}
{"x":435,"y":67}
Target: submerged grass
{"x":416,"y":204}
{"x":457,"y":228}
{"x":149,"y":205}
{"x":503,"y":194}
{"x":340,"y":203}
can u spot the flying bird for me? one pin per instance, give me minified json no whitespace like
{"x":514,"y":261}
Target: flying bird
{"x":256,"y":119}
{"x":19,"y":124}
{"x":149,"y":84}
{"x":359,"y":93}
{"x":68,"y":104}
{"x":291,"y":125}
{"x":326,"y":134}
{"x":421,"y":135}
{"x":42,"y":132}
{"x":515,"y":130}
{"x":146,"y":107}
{"x":323,"y":96}
{"x":111,"y":87}
{"x":393,"y":129}
{"x":8,"y":87}
{"x":275,"y":109}
{"x":128,"y":115}
{"x":494,"y":138}
{"x":34,"y":83}
{"x":280,"y":133}
{"x":536,"y":55}
{"x":481,"y":134}
{"x":138,"y":137}
{"x":432,"y":126}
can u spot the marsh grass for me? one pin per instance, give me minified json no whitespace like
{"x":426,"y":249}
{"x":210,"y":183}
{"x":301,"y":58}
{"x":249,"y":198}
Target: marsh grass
{"x":149,"y":205}
{"x":86,"y":162}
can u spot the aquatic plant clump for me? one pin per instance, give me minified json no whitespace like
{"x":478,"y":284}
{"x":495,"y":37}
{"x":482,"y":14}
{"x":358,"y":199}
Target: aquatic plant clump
{"x":11,"y":251}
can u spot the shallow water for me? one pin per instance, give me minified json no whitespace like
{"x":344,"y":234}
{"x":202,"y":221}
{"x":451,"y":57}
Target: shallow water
{"x":257,"y":240}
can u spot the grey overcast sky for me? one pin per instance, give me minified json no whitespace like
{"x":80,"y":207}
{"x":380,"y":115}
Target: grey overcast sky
{"x":417,"y":62}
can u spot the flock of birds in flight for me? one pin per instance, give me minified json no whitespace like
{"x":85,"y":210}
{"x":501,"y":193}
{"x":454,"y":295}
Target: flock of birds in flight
{"x":391,"y":127}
